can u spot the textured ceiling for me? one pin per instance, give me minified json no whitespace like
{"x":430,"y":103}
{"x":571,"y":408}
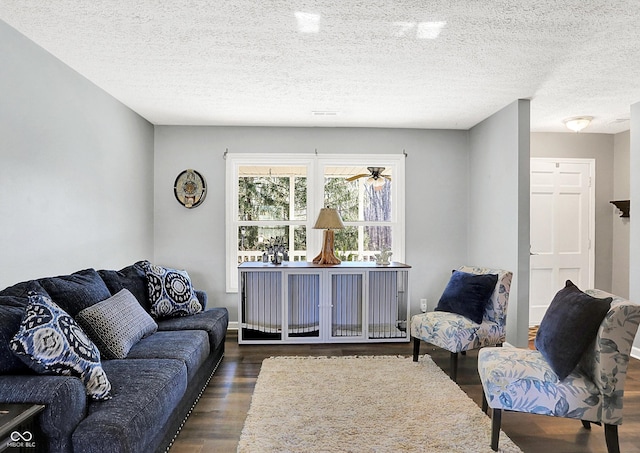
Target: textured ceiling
{"x":416,"y":64}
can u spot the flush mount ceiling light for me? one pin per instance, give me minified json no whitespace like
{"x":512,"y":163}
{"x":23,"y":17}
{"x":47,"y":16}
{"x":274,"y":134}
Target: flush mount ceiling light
{"x":578,"y":123}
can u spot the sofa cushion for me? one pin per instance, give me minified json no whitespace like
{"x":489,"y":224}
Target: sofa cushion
{"x":190,"y":346}
{"x":214,"y":321}
{"x":568,"y":327}
{"x":145,"y":394}
{"x":50,"y":342}
{"x":23,"y":289}
{"x":170,"y":292}
{"x":11,"y":311}
{"x":468,"y":294}
{"x":132,"y":278}
{"x":77,"y":291}
{"x":116,"y":324}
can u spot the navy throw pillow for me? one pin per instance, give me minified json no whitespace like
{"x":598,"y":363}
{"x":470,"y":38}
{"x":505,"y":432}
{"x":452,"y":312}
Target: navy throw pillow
{"x":468,"y":294}
{"x":76,"y":291}
{"x":12,"y":310}
{"x":132,"y":278}
{"x":568,"y":327}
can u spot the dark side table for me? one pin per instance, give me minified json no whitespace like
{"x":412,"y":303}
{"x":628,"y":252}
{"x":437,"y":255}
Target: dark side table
{"x":18,"y":432}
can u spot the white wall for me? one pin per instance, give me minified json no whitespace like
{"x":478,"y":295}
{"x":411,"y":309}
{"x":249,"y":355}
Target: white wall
{"x":601,"y":148}
{"x":76,"y":178}
{"x":436,"y":196}
{"x":620,"y":226}
{"x":498,"y":221}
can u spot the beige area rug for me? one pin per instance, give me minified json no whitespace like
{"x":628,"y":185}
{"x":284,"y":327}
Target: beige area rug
{"x":362,"y":404}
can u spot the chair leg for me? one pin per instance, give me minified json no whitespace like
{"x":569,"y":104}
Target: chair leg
{"x":416,"y":348}
{"x":496,"y":420}
{"x":586,"y":424}
{"x":485,"y":404}
{"x":611,"y":437}
{"x":453,"y":366}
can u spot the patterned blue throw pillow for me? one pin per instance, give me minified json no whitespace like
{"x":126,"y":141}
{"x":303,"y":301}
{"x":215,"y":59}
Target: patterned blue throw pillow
{"x":170,"y":292}
{"x":50,"y":342}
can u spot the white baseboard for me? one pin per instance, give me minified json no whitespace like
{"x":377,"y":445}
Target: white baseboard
{"x":233,"y":325}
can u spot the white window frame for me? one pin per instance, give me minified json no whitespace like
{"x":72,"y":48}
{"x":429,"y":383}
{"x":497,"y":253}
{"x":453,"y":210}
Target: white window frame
{"x":316,"y":165}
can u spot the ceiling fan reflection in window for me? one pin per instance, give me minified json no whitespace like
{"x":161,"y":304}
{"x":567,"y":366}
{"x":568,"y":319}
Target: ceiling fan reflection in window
{"x":374,"y":177}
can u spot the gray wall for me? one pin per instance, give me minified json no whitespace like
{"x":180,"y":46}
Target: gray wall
{"x":436,"y":196}
{"x":498,"y":222}
{"x":620,"y":226}
{"x":76,"y":179}
{"x":634,"y":227}
{"x":592,"y":146}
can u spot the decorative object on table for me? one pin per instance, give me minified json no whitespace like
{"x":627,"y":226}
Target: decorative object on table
{"x":383,"y":257}
{"x":190,"y":188}
{"x":328,"y":220}
{"x":275,"y":251}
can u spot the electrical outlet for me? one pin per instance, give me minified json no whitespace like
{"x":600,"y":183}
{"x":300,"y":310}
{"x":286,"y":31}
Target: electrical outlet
{"x":423,"y":305}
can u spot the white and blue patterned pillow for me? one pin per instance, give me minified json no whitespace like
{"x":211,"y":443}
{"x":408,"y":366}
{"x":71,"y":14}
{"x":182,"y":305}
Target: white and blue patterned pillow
{"x":50,"y":342}
{"x":170,"y":292}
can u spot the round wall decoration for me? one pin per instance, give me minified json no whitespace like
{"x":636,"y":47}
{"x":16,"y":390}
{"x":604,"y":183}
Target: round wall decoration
{"x":190,"y":188}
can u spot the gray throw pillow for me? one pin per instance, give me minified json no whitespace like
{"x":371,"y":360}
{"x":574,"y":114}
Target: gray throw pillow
{"x":116,"y":324}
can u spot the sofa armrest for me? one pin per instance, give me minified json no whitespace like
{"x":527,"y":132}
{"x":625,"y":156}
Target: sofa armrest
{"x":64,"y":397}
{"x":202,"y":297}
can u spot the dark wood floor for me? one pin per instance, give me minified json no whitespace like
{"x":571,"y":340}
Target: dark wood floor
{"x":217,"y":420}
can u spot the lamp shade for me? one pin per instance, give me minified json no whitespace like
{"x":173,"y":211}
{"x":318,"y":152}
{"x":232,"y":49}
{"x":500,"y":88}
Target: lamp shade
{"x":578,"y":123}
{"x":328,"y":219}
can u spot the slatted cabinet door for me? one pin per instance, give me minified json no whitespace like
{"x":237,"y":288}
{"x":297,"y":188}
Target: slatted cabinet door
{"x":300,"y":302}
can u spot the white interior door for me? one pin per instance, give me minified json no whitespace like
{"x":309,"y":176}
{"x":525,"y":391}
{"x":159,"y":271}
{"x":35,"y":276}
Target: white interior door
{"x":562,"y":229}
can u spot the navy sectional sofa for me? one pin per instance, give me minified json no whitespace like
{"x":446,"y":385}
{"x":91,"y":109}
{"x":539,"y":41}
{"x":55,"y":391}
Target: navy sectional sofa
{"x":153,"y":388}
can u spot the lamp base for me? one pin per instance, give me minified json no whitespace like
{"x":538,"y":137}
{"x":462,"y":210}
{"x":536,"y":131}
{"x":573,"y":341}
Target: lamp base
{"x":327,"y":255}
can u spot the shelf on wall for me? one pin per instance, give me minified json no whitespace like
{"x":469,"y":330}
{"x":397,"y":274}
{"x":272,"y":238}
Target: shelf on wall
{"x":624,"y":206}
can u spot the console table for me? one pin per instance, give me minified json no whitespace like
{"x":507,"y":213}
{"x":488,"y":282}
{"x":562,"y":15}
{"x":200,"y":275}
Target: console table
{"x":301,"y":302}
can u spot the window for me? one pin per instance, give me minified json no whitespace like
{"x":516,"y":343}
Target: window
{"x":275,"y":199}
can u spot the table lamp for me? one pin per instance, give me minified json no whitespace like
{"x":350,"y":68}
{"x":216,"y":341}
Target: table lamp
{"x":328,"y":220}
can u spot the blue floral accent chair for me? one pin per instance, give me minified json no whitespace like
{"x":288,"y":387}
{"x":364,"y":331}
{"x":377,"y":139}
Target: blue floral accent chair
{"x":521,"y":380}
{"x":458,"y":334}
